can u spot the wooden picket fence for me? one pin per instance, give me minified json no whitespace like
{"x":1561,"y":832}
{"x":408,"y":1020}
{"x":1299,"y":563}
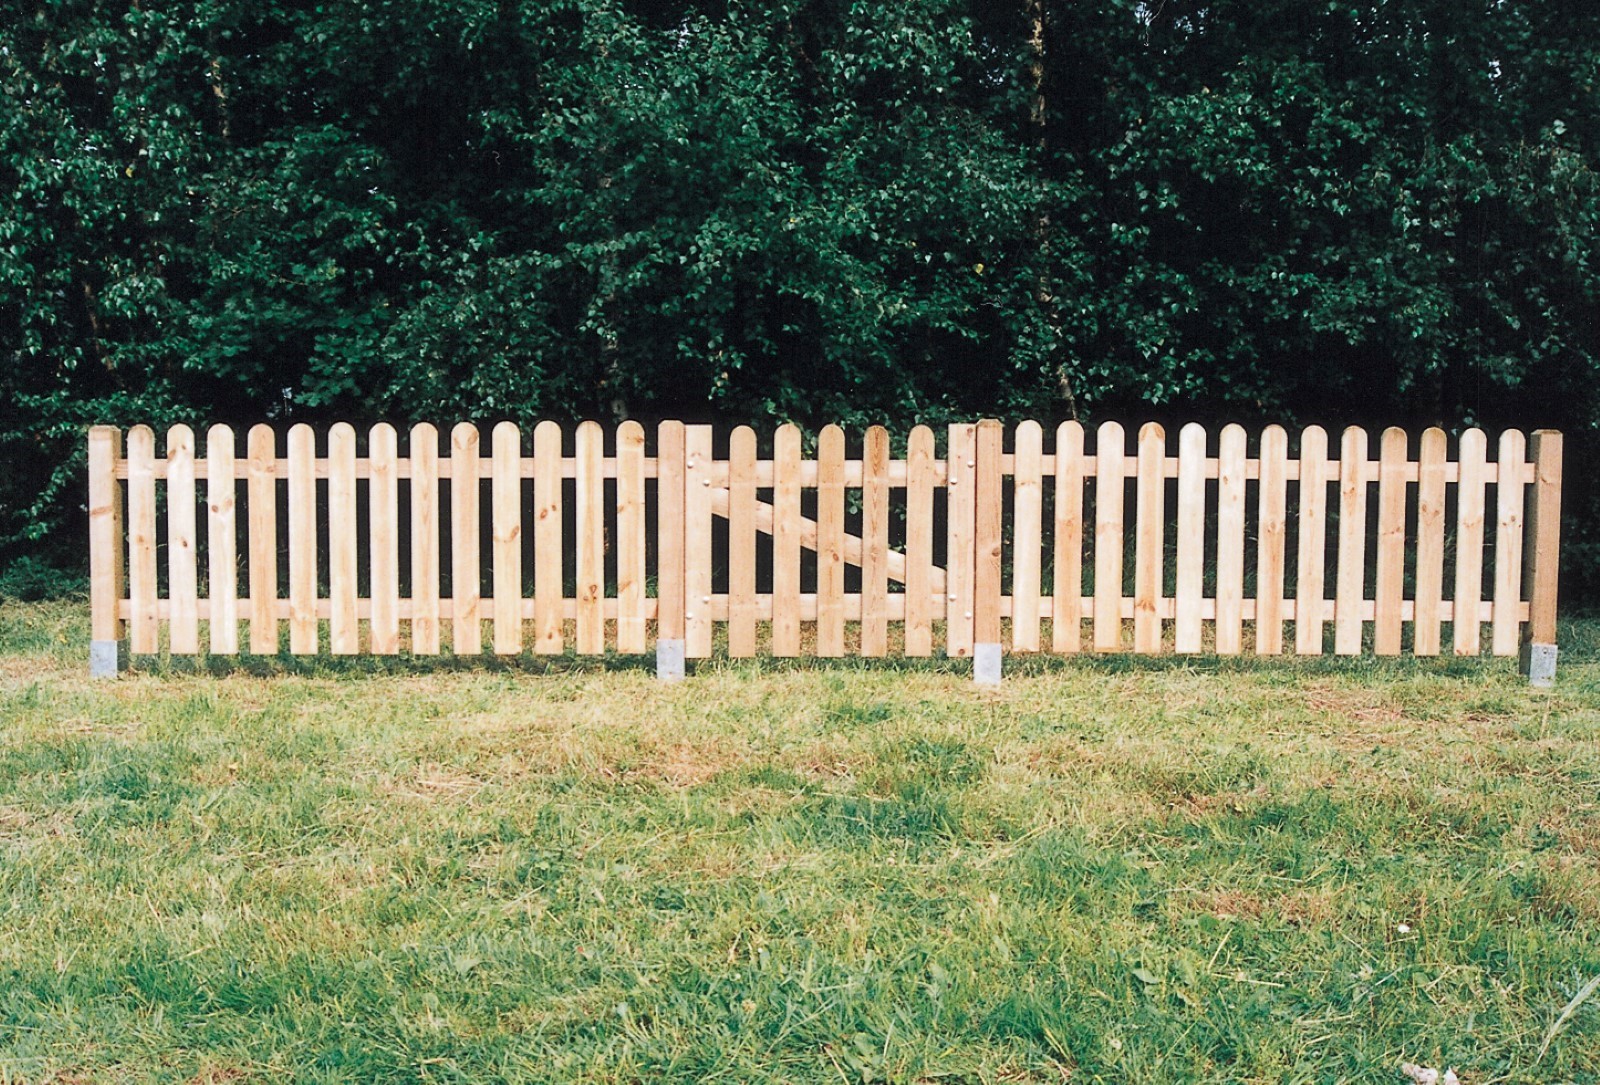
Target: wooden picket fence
{"x":981,"y":548}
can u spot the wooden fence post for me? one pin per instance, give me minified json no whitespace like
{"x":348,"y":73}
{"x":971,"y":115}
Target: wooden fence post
{"x":670,"y":621}
{"x":1541,"y":556}
{"x":986,"y":534}
{"x":108,"y":645}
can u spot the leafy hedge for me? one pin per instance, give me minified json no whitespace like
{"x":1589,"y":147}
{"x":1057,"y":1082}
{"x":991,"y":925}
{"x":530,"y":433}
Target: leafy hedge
{"x":790,"y":209}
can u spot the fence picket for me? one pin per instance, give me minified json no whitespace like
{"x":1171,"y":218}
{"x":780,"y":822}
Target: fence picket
{"x":697,"y":541}
{"x":1150,"y":526}
{"x":742,"y":607}
{"x":466,"y":632}
{"x":144,"y":632}
{"x":222,"y":546}
{"x":987,"y":527}
{"x":303,"y":632}
{"x":1190,"y":587}
{"x":1351,"y":583}
{"x":183,"y":626}
{"x":920,"y":610}
{"x":424,"y":446}
{"x":1510,"y":492}
{"x":262,"y":494}
{"x":342,"y":628}
{"x":1110,"y":473}
{"x":960,"y":562}
{"x":1231,"y":453}
{"x":830,"y":542}
{"x":1066,"y":616}
{"x":383,"y":538}
{"x":549,"y":550}
{"x":1271,"y":536}
{"x":786,"y":541}
{"x":591,"y":526}
{"x":1466,"y":628}
{"x":1310,"y":604}
{"x":1429,"y":590}
{"x":107,"y":579}
{"x":1389,"y":585}
{"x":631,"y":635}
{"x":875,"y":543}
{"x":505,"y":516}
{"x":1026,"y":539}
{"x":670,"y":450}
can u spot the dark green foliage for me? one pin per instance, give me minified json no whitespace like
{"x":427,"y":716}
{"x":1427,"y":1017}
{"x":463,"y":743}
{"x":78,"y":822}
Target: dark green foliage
{"x":813,"y":210}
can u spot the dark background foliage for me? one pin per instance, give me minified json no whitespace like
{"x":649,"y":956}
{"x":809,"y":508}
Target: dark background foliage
{"x":1368,"y":211}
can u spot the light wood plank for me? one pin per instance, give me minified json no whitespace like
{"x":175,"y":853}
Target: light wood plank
{"x":742,"y":607}
{"x":1472,"y":454}
{"x":1066,"y":621}
{"x":1351,"y":586}
{"x":670,"y":599}
{"x":591,"y":629}
{"x":303,"y":633}
{"x":424,"y":444}
{"x":1311,"y":559}
{"x":987,"y":533}
{"x":1110,"y":475}
{"x":1027,"y":536}
{"x":1389,"y":585}
{"x":1150,"y":529}
{"x":383,"y":538}
{"x":1506,"y":630}
{"x":106,"y":569}
{"x":786,"y":542}
{"x":1189,"y":589}
{"x":960,"y":558}
{"x":144,"y":635}
{"x":549,"y":558}
{"x":183,"y":629}
{"x":222,"y":545}
{"x":343,"y":626}
{"x":830,"y":542}
{"x":1542,"y":555}
{"x":699,"y":466}
{"x":1271,"y":543}
{"x":631,"y":639}
{"x":262,"y":494}
{"x":505,"y":515}
{"x":1430,"y":542}
{"x":920,"y":610}
{"x":1231,"y":460}
{"x":875,"y":543}
{"x":466,"y":628}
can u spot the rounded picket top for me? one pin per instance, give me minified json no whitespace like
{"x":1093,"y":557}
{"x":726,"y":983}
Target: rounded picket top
{"x":831,"y":438}
{"x":464,"y":437}
{"x":302,"y":439}
{"x":1110,"y":438}
{"x":423,"y":439}
{"x":1394,"y":442}
{"x":630,"y":434}
{"x":1190,"y":438}
{"x":506,"y":439}
{"x":920,"y":437}
{"x":341,"y":439}
{"x":219,"y":439}
{"x":1473,"y":444}
{"x":1233,"y":435}
{"x":262,"y":443}
{"x":742,"y":442}
{"x":382,"y":436}
{"x":180,"y":441}
{"x":1029,"y":434}
{"x":1152,"y":432}
{"x":546,"y":435}
{"x":588,"y":433}
{"x":1315,"y":440}
{"x":1274,"y":440}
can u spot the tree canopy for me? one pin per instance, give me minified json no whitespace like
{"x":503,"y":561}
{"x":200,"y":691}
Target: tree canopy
{"x":811,"y":210}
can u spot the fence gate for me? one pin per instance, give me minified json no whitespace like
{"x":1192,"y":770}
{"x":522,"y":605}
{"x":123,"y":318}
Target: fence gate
{"x":989,"y":544}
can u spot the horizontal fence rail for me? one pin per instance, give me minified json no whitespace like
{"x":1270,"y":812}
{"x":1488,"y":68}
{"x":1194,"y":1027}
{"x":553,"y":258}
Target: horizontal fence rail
{"x":983,"y":542}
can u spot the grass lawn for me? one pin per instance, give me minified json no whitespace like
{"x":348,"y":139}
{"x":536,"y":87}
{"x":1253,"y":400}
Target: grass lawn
{"x":1111,"y":870}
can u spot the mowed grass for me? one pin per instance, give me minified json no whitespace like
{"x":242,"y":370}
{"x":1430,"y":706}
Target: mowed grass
{"x":1108,"y":870}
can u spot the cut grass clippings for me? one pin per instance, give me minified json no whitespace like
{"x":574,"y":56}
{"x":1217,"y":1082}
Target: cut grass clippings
{"x":1108,"y":870}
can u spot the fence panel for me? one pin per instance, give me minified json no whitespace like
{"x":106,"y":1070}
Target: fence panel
{"x":908,"y":552}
